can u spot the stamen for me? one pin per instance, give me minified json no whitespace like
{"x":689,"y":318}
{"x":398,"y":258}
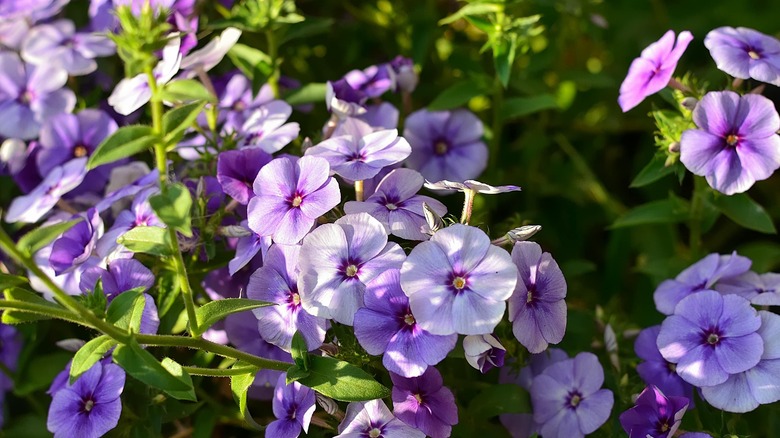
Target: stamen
{"x":374,"y":433}
{"x":296,"y":202}
{"x":80,"y":151}
{"x":409,"y":319}
{"x":753,"y":54}
{"x":732,"y":139}
{"x":351,"y":270}
{"x":441,"y":147}
{"x":459,"y":283}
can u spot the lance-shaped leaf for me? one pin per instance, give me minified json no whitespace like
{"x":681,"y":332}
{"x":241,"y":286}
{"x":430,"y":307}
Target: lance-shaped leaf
{"x":185,"y":90}
{"x":309,"y":93}
{"x":239,"y":385}
{"x":215,"y":311}
{"x":177,"y":120}
{"x":745,"y":212}
{"x":140,"y":364}
{"x":89,"y":354}
{"x":43,"y":309}
{"x":341,"y":380}
{"x":300,"y":351}
{"x":173,"y":208}
{"x":178,"y":372}
{"x":126,"y":310}
{"x":125,"y":142}
{"x":36,"y":239}
{"x":148,"y":240}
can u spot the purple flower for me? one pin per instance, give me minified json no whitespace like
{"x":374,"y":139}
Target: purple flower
{"x":568,"y":400}
{"x":57,"y":43}
{"x":277,"y":282}
{"x":127,"y":180}
{"x":374,"y":81}
{"x":483,"y":352}
{"x":76,"y":244}
{"x":736,"y":143}
{"x":371,"y":419}
{"x":657,"y":371}
{"x":360,"y":153}
{"x":32,"y":10}
{"x":207,"y":57}
{"x":10,"y":349}
{"x":121,"y":275}
{"x":761,"y":290}
{"x":446,"y":144}
{"x":386,"y":325}
{"x":380,"y":116}
{"x":236,"y":100}
{"x":237,"y":170}
{"x":247,"y":248}
{"x":458,"y":282}
{"x":290,"y":195}
{"x":655,"y":415}
{"x":265,"y":127}
{"x":424,"y":403}
{"x":651,"y":72}
{"x":30,"y":95}
{"x":744,"y":392}
{"x":91,"y":406}
{"x":61,"y":180}
{"x":139,"y":214}
{"x":343,"y":100}
{"x":745,"y":53}
{"x":537,"y":308}
{"x":470,"y":185}
{"x":710,"y":337}
{"x":405,"y":77}
{"x":293,"y":405}
{"x":397,"y":206}
{"x":338,"y":259}
{"x":131,"y":94}
{"x":702,"y":275}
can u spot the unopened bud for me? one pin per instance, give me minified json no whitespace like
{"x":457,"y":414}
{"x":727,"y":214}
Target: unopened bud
{"x":307,"y":143}
{"x":674,"y":147}
{"x":72,"y":344}
{"x":13,"y":153}
{"x":435,"y":222}
{"x":689,"y":103}
{"x":234,"y":231}
{"x":523,"y":233}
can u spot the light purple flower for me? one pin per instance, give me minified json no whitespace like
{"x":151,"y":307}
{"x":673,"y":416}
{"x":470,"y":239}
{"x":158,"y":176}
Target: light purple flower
{"x":386,"y":326}
{"x":237,"y":101}
{"x":247,"y":248}
{"x":424,"y":403}
{"x":657,"y":371}
{"x":338,"y":259}
{"x":32,"y":10}
{"x":30,"y":95}
{"x":131,"y":94}
{"x":68,"y":281}
{"x":483,"y":352}
{"x":446,"y":144}
{"x":277,"y":282}
{"x":568,"y":400}
{"x":702,"y":275}
{"x":711,"y":336}
{"x":343,"y":100}
{"x":121,"y":275}
{"x":761,"y":290}
{"x":651,"y":72}
{"x":61,"y":180}
{"x":654,"y":415}
{"x":396,"y":204}
{"x":10,"y":349}
{"x":207,"y":57}
{"x":58,"y":43}
{"x":237,"y":170}
{"x":470,"y":185}
{"x":289,"y":196}
{"x":140,"y":214}
{"x":372,"y":419}
{"x":736,"y":143}
{"x":380,"y":116}
{"x":265,"y":127}
{"x":293,"y":405}
{"x":745,"y":53}
{"x":360,"y":153}
{"x":405,"y":77}
{"x":76,"y":244}
{"x":374,"y":81}
{"x":537,"y":308}
{"x":744,"y":392}
{"x":91,"y":406}
{"x":127,"y":180}
{"x":458,"y":282}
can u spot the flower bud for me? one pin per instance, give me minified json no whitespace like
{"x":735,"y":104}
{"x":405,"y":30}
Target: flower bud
{"x":689,"y":103}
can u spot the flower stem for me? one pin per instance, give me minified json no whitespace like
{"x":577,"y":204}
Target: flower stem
{"x":468,"y":205}
{"x":359,"y":190}
{"x":216,"y":372}
{"x":162,"y":167}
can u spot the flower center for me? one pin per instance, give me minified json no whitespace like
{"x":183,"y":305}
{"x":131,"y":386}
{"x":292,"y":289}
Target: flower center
{"x":458,"y":283}
{"x":390,"y":206}
{"x":753,"y":54}
{"x":440,"y":147}
{"x":26,"y":97}
{"x":80,"y":151}
{"x":409,"y":319}
{"x":732,"y":139}
{"x":88,"y":405}
{"x":295,"y":299}
{"x":530,"y":298}
{"x":574,"y":399}
{"x":374,"y":433}
{"x":664,"y":427}
{"x":418,"y":397}
{"x":672,"y":367}
{"x":713,"y":338}
{"x":351,"y":270}
{"x":296,"y":202}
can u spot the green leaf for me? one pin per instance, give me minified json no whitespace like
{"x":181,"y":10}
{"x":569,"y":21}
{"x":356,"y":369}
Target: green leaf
{"x":126,"y":309}
{"x":311,"y":26}
{"x":178,"y":372}
{"x":173,"y":208}
{"x":504,"y":57}
{"x":300,"y":351}
{"x":471,"y":9}
{"x":89,"y":354}
{"x":745,"y":212}
{"x":140,"y":364}
{"x":214,"y":311}
{"x":655,"y":170}
{"x":36,"y":239}
{"x":19,"y":316}
{"x":239,"y":385}
{"x":309,"y":93}
{"x":522,"y":106}
{"x":177,"y":120}
{"x":342,"y":381}
{"x":295,"y":373}
{"x":500,"y":399}
{"x":458,"y":94}
{"x":8,"y":280}
{"x":185,"y":90}
{"x":657,"y":212}
{"x":125,"y":142}
{"x":255,"y":64}
{"x":148,"y":240}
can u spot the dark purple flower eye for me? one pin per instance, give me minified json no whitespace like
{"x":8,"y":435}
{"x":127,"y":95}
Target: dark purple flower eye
{"x":654,"y":415}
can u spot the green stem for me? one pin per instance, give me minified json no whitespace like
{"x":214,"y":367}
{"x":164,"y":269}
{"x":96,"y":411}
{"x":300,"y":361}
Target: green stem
{"x":468,"y":205}
{"x":273,"y":79}
{"x":696,"y":217}
{"x":216,"y":372}
{"x":162,"y":167}
{"x":24,"y":306}
{"x":498,"y":123}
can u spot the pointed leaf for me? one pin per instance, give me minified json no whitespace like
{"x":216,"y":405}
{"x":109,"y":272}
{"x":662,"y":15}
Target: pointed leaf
{"x":458,"y":94}
{"x":125,"y":142}
{"x":148,"y":240}
{"x":126,"y":309}
{"x":185,"y":90}
{"x":342,"y":381}
{"x":657,"y":212}
{"x":178,"y":372}
{"x":309,"y":93}
{"x":300,"y":351}
{"x":295,"y":373}
{"x":173,"y":208}
{"x":89,"y":354}
{"x":239,"y":385}
{"x":471,"y":9}
{"x":140,"y":364}
{"x":21,"y":316}
{"x":745,"y":212}
{"x":177,"y":120}
{"x":215,"y":311}
{"x":655,"y":170}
